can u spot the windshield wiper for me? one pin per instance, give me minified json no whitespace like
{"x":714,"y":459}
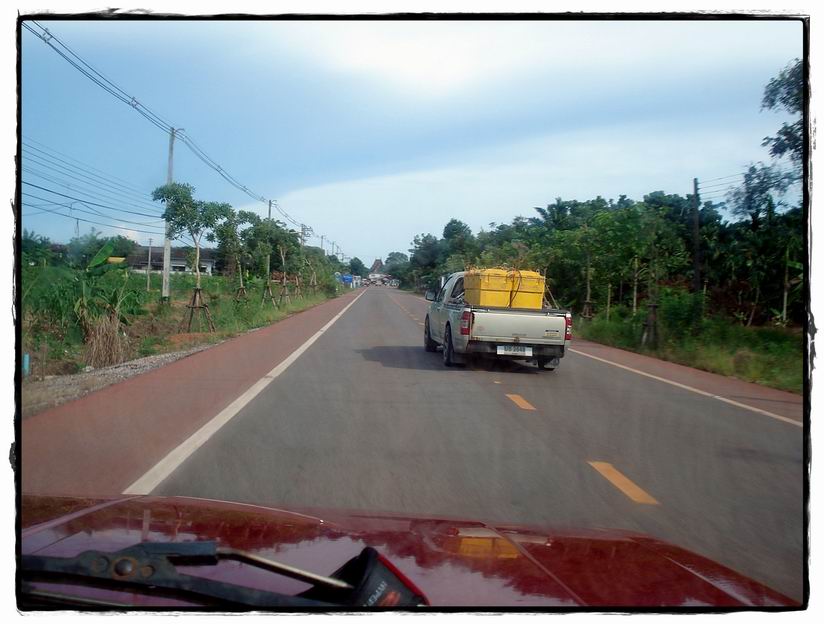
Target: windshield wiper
{"x":152,"y":565}
{"x":367,"y":580}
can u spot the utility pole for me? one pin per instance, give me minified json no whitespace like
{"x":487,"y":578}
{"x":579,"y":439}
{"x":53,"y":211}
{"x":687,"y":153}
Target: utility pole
{"x":167,"y":242}
{"x":267,"y":290}
{"x":696,"y":240}
{"x":321,"y":244}
{"x":269,"y":256}
{"x":305,"y":231}
{"x":149,"y":268}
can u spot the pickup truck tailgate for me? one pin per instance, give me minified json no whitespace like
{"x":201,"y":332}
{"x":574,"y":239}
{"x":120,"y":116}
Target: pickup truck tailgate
{"x":547,"y":328}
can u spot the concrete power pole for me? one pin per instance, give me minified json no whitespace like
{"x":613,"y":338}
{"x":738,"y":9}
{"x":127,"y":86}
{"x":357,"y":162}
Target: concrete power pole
{"x":167,"y":242}
{"x":149,"y":268}
{"x":269,"y":256}
{"x":696,"y":240}
{"x":305,"y":231}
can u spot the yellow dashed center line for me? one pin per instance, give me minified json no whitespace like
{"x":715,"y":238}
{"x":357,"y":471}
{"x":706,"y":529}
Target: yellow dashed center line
{"x":521,"y":402}
{"x":623,"y":483}
{"x":408,"y":313}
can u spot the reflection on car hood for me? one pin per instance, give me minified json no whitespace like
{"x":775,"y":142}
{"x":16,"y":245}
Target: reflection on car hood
{"x":454,"y":562}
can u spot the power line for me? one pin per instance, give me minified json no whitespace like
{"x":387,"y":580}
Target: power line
{"x":61,"y":214}
{"x":116,"y":91}
{"x":107,"y":195}
{"x":47,"y":37}
{"x":717,"y":186}
{"x":82,"y":200}
{"x":47,"y":160}
{"x":724,"y":177}
{"x":125,"y":183}
{"x":713,"y":197}
{"x":70,"y":206}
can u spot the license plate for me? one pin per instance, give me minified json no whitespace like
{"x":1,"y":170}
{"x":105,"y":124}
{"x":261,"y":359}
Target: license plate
{"x":514,"y":350}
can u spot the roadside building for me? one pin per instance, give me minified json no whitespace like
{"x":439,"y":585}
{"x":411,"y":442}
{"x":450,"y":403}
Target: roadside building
{"x":139,"y":259}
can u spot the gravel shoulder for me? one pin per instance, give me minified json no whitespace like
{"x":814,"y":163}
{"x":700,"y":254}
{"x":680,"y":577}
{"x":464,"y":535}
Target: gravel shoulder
{"x":39,"y":395}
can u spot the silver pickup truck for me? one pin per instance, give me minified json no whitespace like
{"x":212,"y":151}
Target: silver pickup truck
{"x":466,"y":331}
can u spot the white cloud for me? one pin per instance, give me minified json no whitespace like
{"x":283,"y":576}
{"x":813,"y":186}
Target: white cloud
{"x":370,"y":217}
{"x":428,"y":59}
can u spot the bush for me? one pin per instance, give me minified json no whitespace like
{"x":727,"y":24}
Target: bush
{"x":679,"y":313}
{"x":619,"y":332}
{"x":769,"y":356}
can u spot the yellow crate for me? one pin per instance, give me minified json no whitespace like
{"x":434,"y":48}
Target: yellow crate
{"x":487,"y":298}
{"x":487,"y":279}
{"x":527,"y":289}
{"x":487,"y":287}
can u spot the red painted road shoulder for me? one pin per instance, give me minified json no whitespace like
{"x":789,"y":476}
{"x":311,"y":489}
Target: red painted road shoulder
{"x":100,"y":443}
{"x":784,"y":404}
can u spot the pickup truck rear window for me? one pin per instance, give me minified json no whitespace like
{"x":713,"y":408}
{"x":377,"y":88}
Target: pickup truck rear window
{"x":458,"y":290}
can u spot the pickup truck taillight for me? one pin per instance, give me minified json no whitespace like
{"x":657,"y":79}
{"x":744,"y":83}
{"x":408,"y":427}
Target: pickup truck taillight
{"x":568,"y":319}
{"x":466,"y":322}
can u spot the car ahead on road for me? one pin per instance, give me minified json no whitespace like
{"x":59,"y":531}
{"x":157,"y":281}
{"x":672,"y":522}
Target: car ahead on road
{"x":188,"y":553}
{"x":464,"y":331}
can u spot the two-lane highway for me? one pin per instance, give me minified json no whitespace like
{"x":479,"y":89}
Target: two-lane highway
{"x":366,"y":419}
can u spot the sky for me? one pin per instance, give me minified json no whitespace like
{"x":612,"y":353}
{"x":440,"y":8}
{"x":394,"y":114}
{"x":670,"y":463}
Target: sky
{"x":372,"y":132}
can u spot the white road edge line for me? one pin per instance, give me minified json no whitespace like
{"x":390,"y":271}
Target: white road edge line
{"x":166,"y":466}
{"x":695,"y":390}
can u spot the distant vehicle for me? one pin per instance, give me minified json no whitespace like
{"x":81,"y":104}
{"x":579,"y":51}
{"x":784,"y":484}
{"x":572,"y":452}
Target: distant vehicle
{"x":183,"y":553}
{"x":465,"y":331}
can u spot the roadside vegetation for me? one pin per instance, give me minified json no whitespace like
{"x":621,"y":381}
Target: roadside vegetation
{"x":80,"y":309}
{"x":626,"y":268}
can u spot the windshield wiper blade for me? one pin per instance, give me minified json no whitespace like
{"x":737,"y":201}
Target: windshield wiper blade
{"x":152,"y":565}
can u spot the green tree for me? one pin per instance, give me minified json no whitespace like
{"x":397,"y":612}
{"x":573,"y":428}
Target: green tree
{"x":230,"y":249}
{"x":786,"y":92}
{"x":356,"y":267}
{"x":184,"y":214}
{"x":35,"y":249}
{"x":424,"y":260}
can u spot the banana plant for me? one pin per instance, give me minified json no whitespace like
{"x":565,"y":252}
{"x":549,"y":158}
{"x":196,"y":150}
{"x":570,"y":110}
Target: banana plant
{"x":86,"y":304}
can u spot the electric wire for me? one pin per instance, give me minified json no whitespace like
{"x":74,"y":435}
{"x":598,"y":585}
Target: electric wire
{"x":116,"y":91}
{"x":80,"y":199}
{"x":734,"y":175}
{"x":47,"y":149}
{"x":718,"y":185}
{"x":104,"y":224}
{"x":90,"y":178}
{"x":91,"y":211}
{"x":88,"y":195}
{"x":93,"y":194}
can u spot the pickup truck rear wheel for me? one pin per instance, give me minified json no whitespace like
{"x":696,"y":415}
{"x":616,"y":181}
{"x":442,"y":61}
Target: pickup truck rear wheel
{"x":447,"y":347}
{"x":428,"y":344}
{"x":547,"y":364}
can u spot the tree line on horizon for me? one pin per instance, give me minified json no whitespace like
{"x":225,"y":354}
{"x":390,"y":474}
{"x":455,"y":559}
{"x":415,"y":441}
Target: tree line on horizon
{"x":602,"y":253}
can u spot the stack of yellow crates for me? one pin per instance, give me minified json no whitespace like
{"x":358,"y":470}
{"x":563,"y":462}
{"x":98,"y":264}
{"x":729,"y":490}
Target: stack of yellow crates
{"x":501,"y":288}
{"x":527,"y":289}
{"x":487,"y":288}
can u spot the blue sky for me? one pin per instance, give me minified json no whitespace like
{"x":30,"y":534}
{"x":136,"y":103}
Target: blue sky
{"x":372,"y":132}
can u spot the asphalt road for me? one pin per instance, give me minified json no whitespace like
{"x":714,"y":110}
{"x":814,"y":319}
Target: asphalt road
{"x":366,"y":419}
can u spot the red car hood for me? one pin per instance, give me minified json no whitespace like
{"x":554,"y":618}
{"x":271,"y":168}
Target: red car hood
{"x":454,"y":562}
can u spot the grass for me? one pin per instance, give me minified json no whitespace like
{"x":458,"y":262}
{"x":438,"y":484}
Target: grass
{"x":56,"y":346}
{"x":769,"y":356}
